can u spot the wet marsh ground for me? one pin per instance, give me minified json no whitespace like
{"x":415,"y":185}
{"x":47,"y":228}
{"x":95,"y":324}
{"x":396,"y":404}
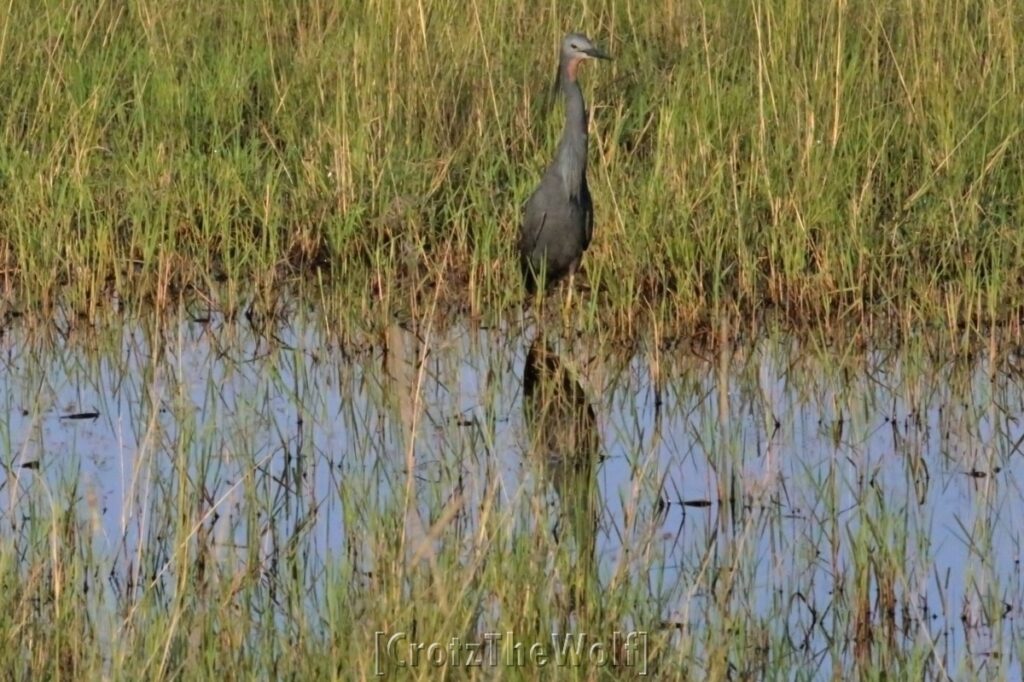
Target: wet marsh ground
{"x":270,"y":401}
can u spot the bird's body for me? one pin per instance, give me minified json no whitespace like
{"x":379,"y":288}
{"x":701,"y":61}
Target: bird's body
{"x":556,"y":231}
{"x":558,"y":219}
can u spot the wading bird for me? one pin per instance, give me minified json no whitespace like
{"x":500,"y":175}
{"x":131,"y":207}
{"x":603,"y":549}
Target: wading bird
{"x":558,"y":219}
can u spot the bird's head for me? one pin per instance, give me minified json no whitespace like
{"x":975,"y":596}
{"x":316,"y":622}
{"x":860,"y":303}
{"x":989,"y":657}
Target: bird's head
{"x":576,"y":48}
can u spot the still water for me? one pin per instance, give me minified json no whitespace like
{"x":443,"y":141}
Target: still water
{"x":799,"y":471}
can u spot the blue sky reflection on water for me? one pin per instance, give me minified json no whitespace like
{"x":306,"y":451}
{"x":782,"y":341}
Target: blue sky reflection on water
{"x":764,"y":462}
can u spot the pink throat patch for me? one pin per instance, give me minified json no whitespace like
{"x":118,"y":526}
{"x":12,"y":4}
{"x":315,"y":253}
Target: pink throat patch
{"x":571,"y":67}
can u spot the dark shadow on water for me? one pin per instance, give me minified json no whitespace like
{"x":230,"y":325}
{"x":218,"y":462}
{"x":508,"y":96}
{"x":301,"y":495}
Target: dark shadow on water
{"x":563,"y":442}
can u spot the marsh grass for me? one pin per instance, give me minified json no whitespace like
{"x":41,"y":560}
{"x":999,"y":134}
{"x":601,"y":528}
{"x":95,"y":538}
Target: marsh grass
{"x":833,"y":161}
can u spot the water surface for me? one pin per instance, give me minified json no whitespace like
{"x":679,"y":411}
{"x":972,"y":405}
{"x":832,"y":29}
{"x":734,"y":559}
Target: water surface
{"x":760,"y":482}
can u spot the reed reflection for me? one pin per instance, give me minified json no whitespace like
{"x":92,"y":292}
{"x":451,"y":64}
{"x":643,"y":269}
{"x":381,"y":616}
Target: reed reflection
{"x":565,"y":445}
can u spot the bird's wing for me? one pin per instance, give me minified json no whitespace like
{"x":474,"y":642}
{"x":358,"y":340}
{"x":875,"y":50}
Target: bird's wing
{"x":529,"y":234}
{"x":531,"y":227}
{"x":588,"y":214}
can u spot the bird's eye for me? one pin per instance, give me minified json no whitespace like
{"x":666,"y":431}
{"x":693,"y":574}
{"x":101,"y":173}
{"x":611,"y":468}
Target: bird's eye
{"x":574,"y":46}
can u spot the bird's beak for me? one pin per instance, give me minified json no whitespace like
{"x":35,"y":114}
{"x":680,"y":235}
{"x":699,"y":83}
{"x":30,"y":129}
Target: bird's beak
{"x":597,"y":53}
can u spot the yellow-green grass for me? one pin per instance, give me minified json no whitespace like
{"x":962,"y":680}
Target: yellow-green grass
{"x":834,"y":161}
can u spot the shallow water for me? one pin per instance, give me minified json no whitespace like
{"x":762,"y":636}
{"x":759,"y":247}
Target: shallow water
{"x":771,"y":464}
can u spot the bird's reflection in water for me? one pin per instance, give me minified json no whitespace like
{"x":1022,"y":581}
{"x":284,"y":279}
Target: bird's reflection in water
{"x":564,"y":444}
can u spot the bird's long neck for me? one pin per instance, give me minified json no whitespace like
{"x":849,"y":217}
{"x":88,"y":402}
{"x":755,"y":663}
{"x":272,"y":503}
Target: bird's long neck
{"x":571,"y":157}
